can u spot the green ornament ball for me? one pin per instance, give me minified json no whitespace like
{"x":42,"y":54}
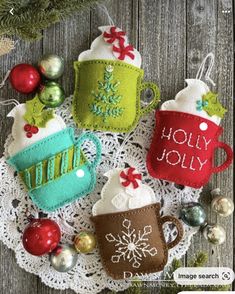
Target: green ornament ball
{"x":51,"y":94}
{"x":51,"y":66}
{"x":193,"y":214}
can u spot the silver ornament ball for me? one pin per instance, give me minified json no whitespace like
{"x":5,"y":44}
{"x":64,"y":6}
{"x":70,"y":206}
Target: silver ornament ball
{"x":51,"y":66}
{"x":215,"y":234}
{"x":222,"y":205}
{"x":193,"y":214}
{"x":63,"y":258}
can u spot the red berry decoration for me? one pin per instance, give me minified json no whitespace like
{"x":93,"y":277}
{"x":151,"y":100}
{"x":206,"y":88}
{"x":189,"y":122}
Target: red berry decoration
{"x":29,"y":135}
{"x":34,"y":129}
{"x":27,"y":128}
{"x":41,"y":236}
{"x":30,"y":130}
{"x":24,"y":78}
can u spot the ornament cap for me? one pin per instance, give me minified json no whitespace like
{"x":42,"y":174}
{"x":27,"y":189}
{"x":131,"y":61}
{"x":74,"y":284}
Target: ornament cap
{"x":216,"y":192}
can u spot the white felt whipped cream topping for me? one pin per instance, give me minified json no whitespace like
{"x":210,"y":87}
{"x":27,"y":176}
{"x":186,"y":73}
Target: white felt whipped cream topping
{"x":20,"y":140}
{"x":115,"y":197}
{"x":101,"y":49}
{"x":186,"y":100}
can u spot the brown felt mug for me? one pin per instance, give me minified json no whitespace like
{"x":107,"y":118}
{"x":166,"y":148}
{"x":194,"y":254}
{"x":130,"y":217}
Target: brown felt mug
{"x":132,"y":242}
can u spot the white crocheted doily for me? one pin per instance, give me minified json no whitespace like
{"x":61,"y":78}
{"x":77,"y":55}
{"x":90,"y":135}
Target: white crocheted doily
{"x":88,"y":276}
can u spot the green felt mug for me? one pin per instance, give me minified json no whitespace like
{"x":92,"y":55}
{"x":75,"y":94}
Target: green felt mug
{"x":107,"y":95}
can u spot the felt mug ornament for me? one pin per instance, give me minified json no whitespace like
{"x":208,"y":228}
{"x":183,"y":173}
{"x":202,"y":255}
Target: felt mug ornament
{"x":52,"y":166}
{"x":108,"y":84}
{"x":129,"y":226}
{"x":187,"y":136}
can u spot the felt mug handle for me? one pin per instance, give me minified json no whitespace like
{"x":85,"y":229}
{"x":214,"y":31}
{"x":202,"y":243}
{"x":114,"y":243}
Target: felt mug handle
{"x":91,"y":137}
{"x":229,"y":153}
{"x":179,"y":227}
{"x":155,"y":100}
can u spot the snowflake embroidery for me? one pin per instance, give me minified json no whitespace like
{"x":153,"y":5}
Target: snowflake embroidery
{"x":131,"y":247}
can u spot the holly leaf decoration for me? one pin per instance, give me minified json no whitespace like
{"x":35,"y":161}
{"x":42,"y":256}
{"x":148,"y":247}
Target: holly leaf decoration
{"x":36,"y":114}
{"x":42,"y":119}
{"x":212,"y":105}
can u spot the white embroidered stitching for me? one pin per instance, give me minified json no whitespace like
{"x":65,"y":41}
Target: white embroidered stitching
{"x":168,"y":154}
{"x":185,"y":136}
{"x":188,"y":138}
{"x":131,"y":247}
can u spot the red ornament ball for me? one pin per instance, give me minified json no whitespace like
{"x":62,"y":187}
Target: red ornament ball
{"x":24,"y":78}
{"x":41,"y":236}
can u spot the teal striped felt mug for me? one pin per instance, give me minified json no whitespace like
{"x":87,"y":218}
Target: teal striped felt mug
{"x":55,"y":170}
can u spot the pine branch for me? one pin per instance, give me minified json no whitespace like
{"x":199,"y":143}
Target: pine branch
{"x":200,"y":260}
{"x":30,"y":17}
{"x":66,"y":8}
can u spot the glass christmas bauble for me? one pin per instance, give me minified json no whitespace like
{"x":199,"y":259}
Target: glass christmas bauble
{"x":41,"y":236}
{"x":24,"y":78}
{"x":51,"y":94}
{"x":222,"y":205}
{"x":63,"y":258}
{"x":193,"y":214}
{"x":215,"y":234}
{"x":51,"y":66}
{"x":84,"y":242}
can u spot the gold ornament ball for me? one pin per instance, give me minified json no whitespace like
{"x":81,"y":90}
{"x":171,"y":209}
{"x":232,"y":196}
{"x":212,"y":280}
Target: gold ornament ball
{"x":215,"y":234}
{"x":222,"y":205}
{"x":85,"y":242}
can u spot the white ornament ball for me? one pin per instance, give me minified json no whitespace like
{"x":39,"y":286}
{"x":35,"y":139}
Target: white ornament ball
{"x":215,"y":234}
{"x":222,"y":205}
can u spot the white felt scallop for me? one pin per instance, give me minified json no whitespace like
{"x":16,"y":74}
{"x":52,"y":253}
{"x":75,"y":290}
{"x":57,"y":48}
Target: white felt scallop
{"x":19,"y":135}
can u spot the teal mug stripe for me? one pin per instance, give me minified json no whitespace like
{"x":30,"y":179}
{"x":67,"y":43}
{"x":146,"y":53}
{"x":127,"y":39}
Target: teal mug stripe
{"x":64,"y":162}
{"x":27,"y":178}
{"x":38,"y":178}
{"x":76,"y":157}
{"x":51,"y":168}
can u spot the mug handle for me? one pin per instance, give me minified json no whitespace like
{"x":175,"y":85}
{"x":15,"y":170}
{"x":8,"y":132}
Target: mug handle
{"x":229,"y":153}
{"x":91,"y":137}
{"x":179,"y":227}
{"x":155,"y":100}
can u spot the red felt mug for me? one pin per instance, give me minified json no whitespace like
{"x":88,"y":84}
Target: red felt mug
{"x":183,"y":148}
